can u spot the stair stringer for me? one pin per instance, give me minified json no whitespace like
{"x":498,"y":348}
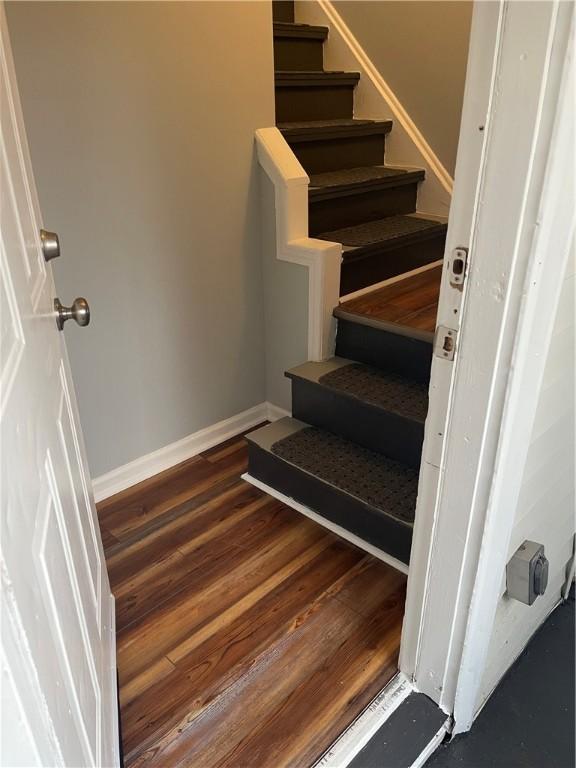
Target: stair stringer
{"x":321,"y":258}
{"x":374,"y":98}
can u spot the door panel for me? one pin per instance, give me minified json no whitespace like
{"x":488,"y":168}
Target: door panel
{"x":58,"y":648}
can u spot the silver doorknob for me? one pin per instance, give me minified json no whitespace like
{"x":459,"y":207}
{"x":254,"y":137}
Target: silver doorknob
{"x":50,"y":244}
{"x":79,"y":311}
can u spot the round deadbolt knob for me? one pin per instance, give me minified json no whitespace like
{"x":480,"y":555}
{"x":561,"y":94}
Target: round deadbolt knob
{"x":50,"y":244}
{"x":79,"y":311}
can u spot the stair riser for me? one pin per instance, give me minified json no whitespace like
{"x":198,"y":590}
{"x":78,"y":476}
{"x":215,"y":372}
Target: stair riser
{"x":383,"y":432}
{"x":283,"y":10}
{"x":335,"y":154}
{"x":389,"y":351}
{"x":377,"y":529}
{"x":303,"y":103}
{"x":297,"y":55}
{"x":350,"y":210}
{"x":381,"y":265}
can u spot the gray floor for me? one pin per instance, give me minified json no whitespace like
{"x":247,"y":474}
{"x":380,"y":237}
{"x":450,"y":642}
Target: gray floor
{"x":529,"y":720}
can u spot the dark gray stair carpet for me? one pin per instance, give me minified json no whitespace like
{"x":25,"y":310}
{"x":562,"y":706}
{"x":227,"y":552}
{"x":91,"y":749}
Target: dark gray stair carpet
{"x":374,"y":479}
{"x":344,"y":122}
{"x":293,"y":29}
{"x":354,"y":176}
{"x":380,"y":388}
{"x":390,"y":228}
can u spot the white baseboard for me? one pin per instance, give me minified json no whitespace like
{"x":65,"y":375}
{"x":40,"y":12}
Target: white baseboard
{"x":274,"y":412}
{"x":152,"y":463}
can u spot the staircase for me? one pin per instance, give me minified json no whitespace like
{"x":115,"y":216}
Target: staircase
{"x":350,"y":454}
{"x":354,"y":199}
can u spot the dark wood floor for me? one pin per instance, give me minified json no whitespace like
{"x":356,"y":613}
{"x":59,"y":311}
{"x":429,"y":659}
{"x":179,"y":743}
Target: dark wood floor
{"x":412,"y":302}
{"x":247,"y":634}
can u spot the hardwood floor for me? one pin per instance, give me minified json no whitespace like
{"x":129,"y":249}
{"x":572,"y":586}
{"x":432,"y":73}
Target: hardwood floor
{"x":412,"y":302}
{"x":247,"y":634}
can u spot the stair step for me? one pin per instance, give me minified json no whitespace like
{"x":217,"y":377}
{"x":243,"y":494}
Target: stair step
{"x":379,"y":410}
{"x":385,"y":345}
{"x":389,"y":232}
{"x":283,"y":10}
{"x":411,"y":301}
{"x":299,"y":47}
{"x":330,"y":145}
{"x":319,"y":130}
{"x":283,"y":29}
{"x":356,"y":181}
{"x":296,"y":79}
{"x":314,"y":95}
{"x":365,"y":493}
{"x":377,"y":250}
{"x":355,"y":196}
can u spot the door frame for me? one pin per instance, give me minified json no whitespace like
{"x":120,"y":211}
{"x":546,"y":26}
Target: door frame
{"x":517,"y":227}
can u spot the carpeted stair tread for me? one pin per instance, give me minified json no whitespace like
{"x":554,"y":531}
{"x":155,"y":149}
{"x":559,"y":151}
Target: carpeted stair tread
{"x":315,"y":78}
{"x":381,"y":483}
{"x":345,"y":122}
{"x":294,"y":29}
{"x":382,"y":389}
{"x":354,"y":176}
{"x":391,"y":228}
{"x":309,"y":130}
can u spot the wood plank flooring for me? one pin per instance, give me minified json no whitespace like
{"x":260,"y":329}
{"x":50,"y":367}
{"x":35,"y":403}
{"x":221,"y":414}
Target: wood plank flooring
{"x":412,"y":302}
{"x":247,"y":634}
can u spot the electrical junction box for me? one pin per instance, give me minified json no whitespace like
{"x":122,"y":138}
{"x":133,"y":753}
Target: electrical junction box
{"x":527,"y":573}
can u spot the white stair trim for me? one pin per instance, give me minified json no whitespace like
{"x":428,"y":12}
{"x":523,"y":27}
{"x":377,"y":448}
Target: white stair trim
{"x":337,"y":529}
{"x":323,"y":259}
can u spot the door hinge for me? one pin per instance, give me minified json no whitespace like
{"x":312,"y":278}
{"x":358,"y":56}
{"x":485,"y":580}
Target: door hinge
{"x":458,"y":266}
{"x":445,"y":342}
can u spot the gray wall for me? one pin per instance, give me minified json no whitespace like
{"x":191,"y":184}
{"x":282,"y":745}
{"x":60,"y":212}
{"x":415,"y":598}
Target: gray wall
{"x":285,"y":306}
{"x":420,"y":49}
{"x":140,"y":120}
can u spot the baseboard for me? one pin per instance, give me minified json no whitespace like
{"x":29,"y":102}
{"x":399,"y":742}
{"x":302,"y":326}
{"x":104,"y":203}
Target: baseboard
{"x":152,"y":463}
{"x":274,"y":412}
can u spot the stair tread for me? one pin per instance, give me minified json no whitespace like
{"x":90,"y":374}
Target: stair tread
{"x":409,"y":304}
{"x":336,"y":128}
{"x":361,"y":175}
{"x":295,"y":29}
{"x":390,"y":326}
{"x":357,"y":180}
{"x":391,"y":229}
{"x":383,"y":484}
{"x":315,"y":77}
{"x":382,"y":389}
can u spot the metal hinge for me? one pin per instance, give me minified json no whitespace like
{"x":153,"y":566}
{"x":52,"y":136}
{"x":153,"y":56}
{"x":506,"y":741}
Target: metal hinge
{"x":445,"y":342}
{"x":458,"y":265}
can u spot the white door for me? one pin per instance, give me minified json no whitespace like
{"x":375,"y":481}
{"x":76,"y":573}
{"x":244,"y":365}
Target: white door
{"x":58,"y":647}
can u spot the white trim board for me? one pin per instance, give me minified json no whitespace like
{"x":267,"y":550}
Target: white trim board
{"x":342,"y":532}
{"x":152,"y":463}
{"x":321,"y":258}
